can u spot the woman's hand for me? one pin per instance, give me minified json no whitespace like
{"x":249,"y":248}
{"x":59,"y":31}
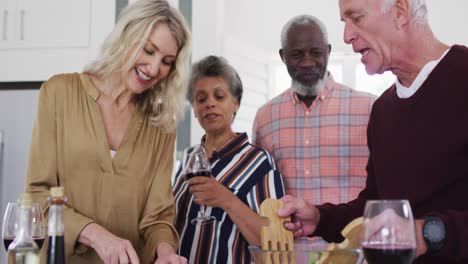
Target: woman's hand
{"x":167,"y":255}
{"x":208,"y":191}
{"x":110,"y":248}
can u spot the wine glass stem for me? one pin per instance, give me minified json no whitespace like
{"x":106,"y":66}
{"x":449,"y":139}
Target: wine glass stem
{"x":202,"y":210}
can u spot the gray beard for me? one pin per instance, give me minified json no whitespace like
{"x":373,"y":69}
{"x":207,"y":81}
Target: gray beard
{"x":312,"y":90}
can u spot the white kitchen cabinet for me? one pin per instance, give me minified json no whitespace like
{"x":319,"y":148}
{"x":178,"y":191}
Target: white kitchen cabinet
{"x":7,"y":18}
{"x":39,"y":38}
{"x":45,"y":23}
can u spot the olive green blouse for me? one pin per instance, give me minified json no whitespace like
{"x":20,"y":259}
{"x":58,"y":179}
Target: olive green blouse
{"x":130,"y":195}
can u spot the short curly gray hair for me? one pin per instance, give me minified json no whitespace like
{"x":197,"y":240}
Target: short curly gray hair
{"x":302,"y":20}
{"x":214,"y":66}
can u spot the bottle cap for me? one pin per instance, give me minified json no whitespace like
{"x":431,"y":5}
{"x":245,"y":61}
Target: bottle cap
{"x":57,"y":192}
{"x":25,"y":200}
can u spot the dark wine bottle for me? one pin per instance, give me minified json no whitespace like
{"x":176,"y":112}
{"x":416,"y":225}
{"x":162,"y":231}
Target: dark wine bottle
{"x":56,"y":247}
{"x":23,"y":249}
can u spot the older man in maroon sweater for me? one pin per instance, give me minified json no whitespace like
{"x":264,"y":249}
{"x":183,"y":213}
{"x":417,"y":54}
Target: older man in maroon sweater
{"x":417,"y":133}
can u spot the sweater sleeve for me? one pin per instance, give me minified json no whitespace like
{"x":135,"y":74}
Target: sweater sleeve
{"x":156,"y":224}
{"x":456,"y":234}
{"x":42,"y":172}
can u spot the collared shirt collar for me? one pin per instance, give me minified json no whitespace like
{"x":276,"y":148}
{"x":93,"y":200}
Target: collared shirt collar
{"x":90,"y":89}
{"x":93,"y":92}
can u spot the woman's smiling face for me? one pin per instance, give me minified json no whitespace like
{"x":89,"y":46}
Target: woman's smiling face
{"x":154,"y":61}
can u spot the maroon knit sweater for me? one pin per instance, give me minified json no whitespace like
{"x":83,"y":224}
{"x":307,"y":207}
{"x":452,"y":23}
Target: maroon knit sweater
{"x":419,"y":151}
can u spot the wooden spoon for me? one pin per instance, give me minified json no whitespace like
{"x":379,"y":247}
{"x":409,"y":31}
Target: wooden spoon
{"x":275,"y":237}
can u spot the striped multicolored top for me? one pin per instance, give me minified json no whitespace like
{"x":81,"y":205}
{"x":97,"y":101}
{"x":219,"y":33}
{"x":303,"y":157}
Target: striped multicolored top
{"x":250,"y":173}
{"x":321,"y":151}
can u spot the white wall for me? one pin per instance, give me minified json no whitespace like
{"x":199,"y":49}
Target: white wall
{"x":18,"y":110}
{"x":259,"y":22}
{"x":448,"y":20}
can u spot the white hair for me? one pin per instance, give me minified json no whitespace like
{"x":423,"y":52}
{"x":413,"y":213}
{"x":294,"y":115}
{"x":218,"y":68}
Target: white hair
{"x":418,"y":9}
{"x":302,"y":20}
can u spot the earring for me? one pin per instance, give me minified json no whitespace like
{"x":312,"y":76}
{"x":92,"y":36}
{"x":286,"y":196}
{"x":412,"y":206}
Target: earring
{"x":159,"y":101}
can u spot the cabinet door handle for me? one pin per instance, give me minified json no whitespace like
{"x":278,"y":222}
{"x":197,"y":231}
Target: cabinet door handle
{"x":22,"y":14}
{"x":5,"y":24}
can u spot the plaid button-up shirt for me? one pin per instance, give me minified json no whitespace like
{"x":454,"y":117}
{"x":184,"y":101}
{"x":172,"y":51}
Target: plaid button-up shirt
{"x":321,"y":151}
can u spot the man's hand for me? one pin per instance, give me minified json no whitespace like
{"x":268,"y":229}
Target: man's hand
{"x":305,"y":217}
{"x":421,"y":244}
{"x":110,"y":248}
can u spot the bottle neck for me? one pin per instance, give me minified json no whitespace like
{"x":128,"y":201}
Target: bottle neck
{"x":55,"y":227}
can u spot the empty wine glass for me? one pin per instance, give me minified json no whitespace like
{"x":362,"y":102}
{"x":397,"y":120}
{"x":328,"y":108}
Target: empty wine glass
{"x":10,"y":224}
{"x":389,"y":234}
{"x":195,"y":164}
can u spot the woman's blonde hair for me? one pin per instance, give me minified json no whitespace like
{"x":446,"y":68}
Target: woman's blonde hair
{"x":164,"y":102}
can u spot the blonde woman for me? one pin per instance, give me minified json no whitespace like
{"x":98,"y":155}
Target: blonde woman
{"x":104,"y":136}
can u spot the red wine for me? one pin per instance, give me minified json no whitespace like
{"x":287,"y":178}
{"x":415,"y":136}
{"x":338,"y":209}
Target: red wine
{"x":39,"y":241}
{"x":190,"y":175}
{"x":8,"y":240}
{"x":56,"y":250}
{"x":56,"y":247}
{"x":379,"y":255}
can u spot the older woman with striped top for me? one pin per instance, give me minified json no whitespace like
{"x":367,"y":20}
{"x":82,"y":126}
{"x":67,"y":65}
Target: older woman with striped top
{"x":243,"y":175}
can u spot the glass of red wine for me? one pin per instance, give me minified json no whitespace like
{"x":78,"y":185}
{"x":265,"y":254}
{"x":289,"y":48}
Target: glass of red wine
{"x":388,"y":234}
{"x":38,"y":224}
{"x":197,"y":164}
{"x":10,"y":224}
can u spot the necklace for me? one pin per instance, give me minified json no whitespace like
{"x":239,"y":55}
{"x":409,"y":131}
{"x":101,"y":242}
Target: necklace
{"x":211,"y":148}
